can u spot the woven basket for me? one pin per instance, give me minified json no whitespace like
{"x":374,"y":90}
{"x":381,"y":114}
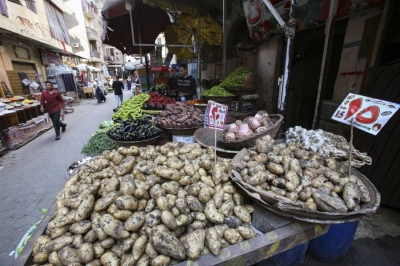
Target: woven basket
{"x":251,"y":141}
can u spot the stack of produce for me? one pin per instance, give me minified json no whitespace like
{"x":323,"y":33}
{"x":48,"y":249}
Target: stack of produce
{"x":236,"y":78}
{"x":302,"y":177}
{"x":216,"y":91}
{"x":163,"y":90}
{"x":99,"y":141}
{"x":157,"y":102}
{"x":132,"y":108}
{"x":145,"y":206}
{"x":194,"y":101}
{"x":180,"y":115}
{"x":134,"y":130}
{"x":248,"y":127}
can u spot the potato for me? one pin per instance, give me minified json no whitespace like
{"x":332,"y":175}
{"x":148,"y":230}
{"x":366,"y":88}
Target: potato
{"x":68,"y":256}
{"x":162,"y":203}
{"x":331,"y":163}
{"x":86,"y":252}
{"x":59,"y":231}
{"x":143,"y":261}
{"x":292,"y":180}
{"x":232,"y":236}
{"x":218,"y":197}
{"x":109,"y":259}
{"x":132,"y":150}
{"x":212,"y":214}
{"x":274,"y":168}
{"x":181,"y":205}
{"x":227,"y":197}
{"x":278,"y":191}
{"x":41,"y":257}
{"x":111,"y":227}
{"x":193,"y":190}
{"x":105,"y":201}
{"x":164,"y":242}
{"x":161,"y":260}
{"x":171,"y":187}
{"x":81,"y":228}
{"x":54,"y":259}
{"x":153,"y":218}
{"x":213,"y":241}
{"x":171,"y":201}
{"x":112,"y":208}
{"x":205,"y":194}
{"x":351,"y":195}
{"x":169,"y":220}
{"x":246,"y":232}
{"x":127,"y":260}
{"x":40,"y":244}
{"x":333,"y":176}
{"x":194,"y":243}
{"x":301,"y":154}
{"x":286,"y":151}
{"x":150,"y":251}
{"x":127,"y":243}
{"x":151,"y":204}
{"x":77,"y":241}
{"x":194,"y":204}
{"x":175,"y":163}
{"x":139,"y":247}
{"x":318,"y":181}
{"x":232,"y":221}
{"x":116,"y":158}
{"x":85,"y":208}
{"x":142,"y":205}
{"x":126,"y":202}
{"x":167,"y":173}
{"x":108,"y":243}
{"x":264,"y":144}
{"x":183,"y":219}
{"x":229,"y":188}
{"x":121,"y":215}
{"x":242,"y":214}
{"x":227,"y":208}
{"x":294,"y":166}
{"x":98,"y":250}
{"x":141,"y":193}
{"x":126,"y":165}
{"x":59,"y":243}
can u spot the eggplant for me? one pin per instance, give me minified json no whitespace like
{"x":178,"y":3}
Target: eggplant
{"x":145,"y":106}
{"x":152,"y":106}
{"x":160,"y":107}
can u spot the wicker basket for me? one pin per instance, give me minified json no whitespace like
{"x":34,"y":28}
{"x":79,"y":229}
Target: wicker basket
{"x":251,"y":141}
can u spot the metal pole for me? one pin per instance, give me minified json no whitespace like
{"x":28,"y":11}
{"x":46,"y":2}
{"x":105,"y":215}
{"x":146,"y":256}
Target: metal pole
{"x":288,"y":56}
{"x":147,"y":72}
{"x":198,"y":52}
{"x":325,"y":57}
{"x":224,"y":40}
{"x":132,"y":30}
{"x":140,"y":36}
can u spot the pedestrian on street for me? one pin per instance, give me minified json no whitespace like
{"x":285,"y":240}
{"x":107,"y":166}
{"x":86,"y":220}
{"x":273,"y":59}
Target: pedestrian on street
{"x":118,"y":87}
{"x":100,"y":95}
{"x":54,"y":103}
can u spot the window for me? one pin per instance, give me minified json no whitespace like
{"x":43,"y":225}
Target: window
{"x":30,"y":4}
{"x":58,"y":28}
{"x":3,"y":8}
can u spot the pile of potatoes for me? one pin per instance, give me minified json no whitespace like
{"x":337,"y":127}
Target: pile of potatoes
{"x":302,"y":177}
{"x":145,"y":206}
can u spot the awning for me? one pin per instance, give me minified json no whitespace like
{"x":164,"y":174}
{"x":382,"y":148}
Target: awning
{"x":150,"y":19}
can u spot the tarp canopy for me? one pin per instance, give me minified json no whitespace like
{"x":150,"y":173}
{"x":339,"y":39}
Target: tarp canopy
{"x":148,"y":20}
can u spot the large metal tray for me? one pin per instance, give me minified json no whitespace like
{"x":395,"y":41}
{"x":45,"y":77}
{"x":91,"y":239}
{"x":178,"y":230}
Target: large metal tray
{"x":206,"y":138}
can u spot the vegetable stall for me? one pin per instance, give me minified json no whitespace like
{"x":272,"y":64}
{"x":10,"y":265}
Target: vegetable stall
{"x":134,"y":203}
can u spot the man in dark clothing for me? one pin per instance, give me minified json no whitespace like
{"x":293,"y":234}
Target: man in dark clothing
{"x":118,"y":87}
{"x":54,"y":102}
{"x":184,"y":84}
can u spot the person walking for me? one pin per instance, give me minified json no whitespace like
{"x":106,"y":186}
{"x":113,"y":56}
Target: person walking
{"x":54,"y":103}
{"x":118,"y":87}
{"x":100,"y":95}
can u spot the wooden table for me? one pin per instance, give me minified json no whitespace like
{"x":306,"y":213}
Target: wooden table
{"x":88,"y":90}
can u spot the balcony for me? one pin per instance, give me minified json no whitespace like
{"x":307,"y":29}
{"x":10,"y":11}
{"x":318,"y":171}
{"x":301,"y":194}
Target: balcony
{"x":88,"y":10}
{"x":95,"y":56}
{"x":98,"y":3}
{"x":91,"y":33}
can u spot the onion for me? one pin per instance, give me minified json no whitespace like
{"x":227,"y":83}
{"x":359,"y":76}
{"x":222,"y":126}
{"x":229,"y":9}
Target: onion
{"x":229,"y":136}
{"x":244,"y":131}
{"x":233,"y":128}
{"x":265,"y":120}
{"x":260,"y":129}
{"x":254,"y":123}
{"x":258,"y":116}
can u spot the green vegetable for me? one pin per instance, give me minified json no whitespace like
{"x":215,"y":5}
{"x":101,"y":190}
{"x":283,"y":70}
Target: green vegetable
{"x":98,"y":143}
{"x":131,"y":108}
{"x":216,"y":91}
{"x":106,"y":124}
{"x":236,"y":78}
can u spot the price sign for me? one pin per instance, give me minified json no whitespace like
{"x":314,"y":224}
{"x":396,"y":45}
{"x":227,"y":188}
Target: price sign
{"x":215,"y":116}
{"x":368,"y":114}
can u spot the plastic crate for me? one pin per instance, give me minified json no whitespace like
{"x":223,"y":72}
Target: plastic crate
{"x":234,"y":106}
{"x":328,"y":109}
{"x":332,"y":127}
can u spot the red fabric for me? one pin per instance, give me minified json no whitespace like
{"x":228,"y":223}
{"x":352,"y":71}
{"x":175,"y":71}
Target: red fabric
{"x":52,"y":101}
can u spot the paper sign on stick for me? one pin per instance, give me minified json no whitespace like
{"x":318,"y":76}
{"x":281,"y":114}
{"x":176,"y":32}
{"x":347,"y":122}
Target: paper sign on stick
{"x":215,"y":115}
{"x":369,"y":114}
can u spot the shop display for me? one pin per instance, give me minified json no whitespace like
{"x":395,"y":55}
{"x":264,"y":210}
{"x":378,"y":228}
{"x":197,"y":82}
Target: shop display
{"x":216,"y":91}
{"x":99,"y":141}
{"x":157,"y":102}
{"x":131,"y":108}
{"x":303,"y":179}
{"x":326,"y":144}
{"x":180,"y":115}
{"x":164,"y":212}
{"x":236,"y":78}
{"x":134,"y":130}
{"x":163,"y":90}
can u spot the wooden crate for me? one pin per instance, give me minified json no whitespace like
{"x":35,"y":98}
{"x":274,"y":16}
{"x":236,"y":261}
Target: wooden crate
{"x":17,"y":87}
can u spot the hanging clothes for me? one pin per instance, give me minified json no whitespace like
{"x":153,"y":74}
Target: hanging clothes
{"x":69,"y":81}
{"x":60,"y":83}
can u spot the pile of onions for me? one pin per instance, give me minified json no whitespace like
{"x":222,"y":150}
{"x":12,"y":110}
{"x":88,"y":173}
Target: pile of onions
{"x":249,"y":126}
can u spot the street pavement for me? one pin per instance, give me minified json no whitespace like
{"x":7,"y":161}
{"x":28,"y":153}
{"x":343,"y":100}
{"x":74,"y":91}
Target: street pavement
{"x":31,"y":176}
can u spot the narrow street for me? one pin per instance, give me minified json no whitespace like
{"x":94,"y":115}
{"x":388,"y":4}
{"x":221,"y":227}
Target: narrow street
{"x":31,"y":176}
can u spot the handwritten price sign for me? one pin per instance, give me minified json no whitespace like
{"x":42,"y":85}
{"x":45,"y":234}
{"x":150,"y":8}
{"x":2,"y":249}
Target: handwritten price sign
{"x":368,"y":114}
{"x":215,"y":115}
